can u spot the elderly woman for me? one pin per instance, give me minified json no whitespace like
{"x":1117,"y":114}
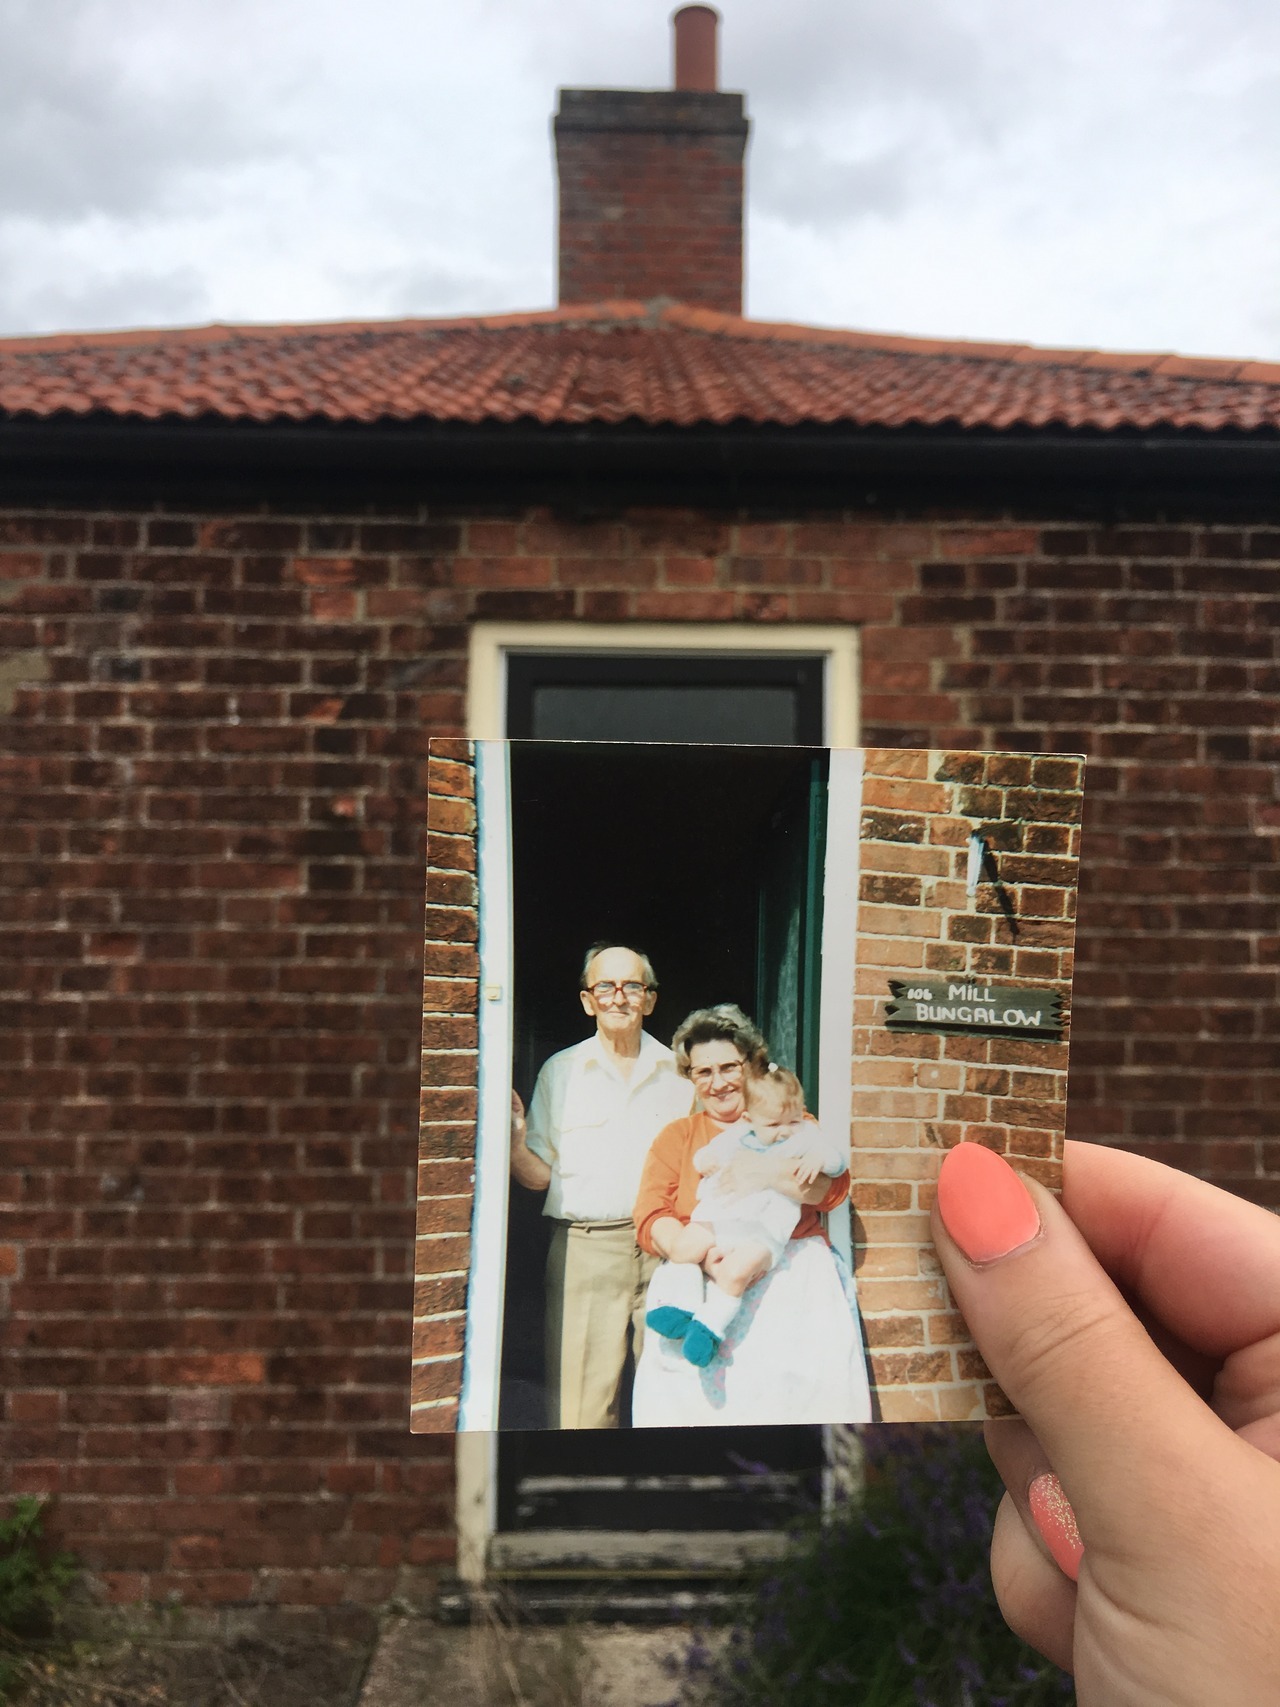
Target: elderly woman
{"x":794,"y":1353}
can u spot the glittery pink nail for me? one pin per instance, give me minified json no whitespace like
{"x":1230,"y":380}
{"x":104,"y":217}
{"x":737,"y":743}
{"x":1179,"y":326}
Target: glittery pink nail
{"x":1056,"y":1522}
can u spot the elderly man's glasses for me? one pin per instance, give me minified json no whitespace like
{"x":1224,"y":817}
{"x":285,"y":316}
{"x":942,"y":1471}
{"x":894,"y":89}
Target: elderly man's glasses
{"x":606,"y":990}
{"x":705,"y":1077}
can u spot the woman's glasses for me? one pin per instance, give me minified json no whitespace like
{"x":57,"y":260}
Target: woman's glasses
{"x":731,"y":1071}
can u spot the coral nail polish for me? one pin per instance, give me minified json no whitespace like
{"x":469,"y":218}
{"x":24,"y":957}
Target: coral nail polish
{"x":984,"y":1205}
{"x":1056,"y":1522}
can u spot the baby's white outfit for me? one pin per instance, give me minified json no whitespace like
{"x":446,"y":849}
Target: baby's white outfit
{"x":766,"y":1217}
{"x":682,"y":1304}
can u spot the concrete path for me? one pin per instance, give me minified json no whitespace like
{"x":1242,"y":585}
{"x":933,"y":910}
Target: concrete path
{"x":420,"y":1664}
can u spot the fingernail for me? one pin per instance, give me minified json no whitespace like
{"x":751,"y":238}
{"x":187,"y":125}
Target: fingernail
{"x":1056,"y":1522}
{"x":984,"y":1205}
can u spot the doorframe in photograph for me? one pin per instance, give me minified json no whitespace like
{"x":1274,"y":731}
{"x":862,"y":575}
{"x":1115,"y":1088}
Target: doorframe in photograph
{"x":486,"y":1280}
{"x":840,"y":883}
{"x":492,"y":645}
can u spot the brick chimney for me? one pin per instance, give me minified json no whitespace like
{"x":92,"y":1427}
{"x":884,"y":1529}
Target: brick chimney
{"x":651,"y":183}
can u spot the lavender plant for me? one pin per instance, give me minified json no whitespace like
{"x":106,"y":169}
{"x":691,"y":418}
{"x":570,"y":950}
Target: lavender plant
{"x":886,"y":1603}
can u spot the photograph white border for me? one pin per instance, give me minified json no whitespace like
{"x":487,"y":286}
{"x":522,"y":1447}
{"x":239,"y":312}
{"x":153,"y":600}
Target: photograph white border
{"x":839,"y":953}
{"x":486,"y":1281}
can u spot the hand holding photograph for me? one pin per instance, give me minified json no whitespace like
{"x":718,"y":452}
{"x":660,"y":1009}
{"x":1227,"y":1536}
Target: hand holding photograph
{"x":699,"y":1024}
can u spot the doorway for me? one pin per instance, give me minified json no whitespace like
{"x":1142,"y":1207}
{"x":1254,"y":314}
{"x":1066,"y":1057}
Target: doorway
{"x":540,"y":1494}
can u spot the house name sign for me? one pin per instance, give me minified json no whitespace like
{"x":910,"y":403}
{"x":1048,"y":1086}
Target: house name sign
{"x":971,"y":1005}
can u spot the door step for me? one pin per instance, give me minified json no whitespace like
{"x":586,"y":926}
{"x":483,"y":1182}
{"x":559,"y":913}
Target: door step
{"x":597,"y":1600}
{"x":652,"y":1553}
{"x":722,"y":1502}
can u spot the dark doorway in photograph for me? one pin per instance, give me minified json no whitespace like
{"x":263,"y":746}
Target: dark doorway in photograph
{"x":707,"y":858}
{"x":701,"y":857}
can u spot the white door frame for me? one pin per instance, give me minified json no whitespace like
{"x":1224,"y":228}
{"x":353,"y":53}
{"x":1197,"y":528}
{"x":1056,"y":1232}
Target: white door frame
{"x":492,"y":643}
{"x":491,"y":646}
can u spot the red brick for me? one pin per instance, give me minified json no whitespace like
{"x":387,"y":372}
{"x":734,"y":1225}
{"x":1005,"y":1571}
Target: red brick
{"x":221,"y":1370}
{"x":988,"y":542}
{"x":689,"y":571}
{"x":668,"y":606}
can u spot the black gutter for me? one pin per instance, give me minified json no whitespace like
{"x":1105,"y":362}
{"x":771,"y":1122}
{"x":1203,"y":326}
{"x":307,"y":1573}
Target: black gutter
{"x":594,"y":469}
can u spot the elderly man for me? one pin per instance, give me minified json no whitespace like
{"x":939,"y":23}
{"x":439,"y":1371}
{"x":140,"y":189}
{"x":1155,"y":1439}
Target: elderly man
{"x":596,"y":1109}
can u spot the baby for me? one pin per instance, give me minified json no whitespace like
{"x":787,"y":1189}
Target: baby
{"x":750,"y":1228}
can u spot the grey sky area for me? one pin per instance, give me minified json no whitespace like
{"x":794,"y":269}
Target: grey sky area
{"x":1079,"y":172}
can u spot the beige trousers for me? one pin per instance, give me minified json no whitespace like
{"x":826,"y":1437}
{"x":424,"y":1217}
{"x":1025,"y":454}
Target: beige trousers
{"x":597,"y":1277}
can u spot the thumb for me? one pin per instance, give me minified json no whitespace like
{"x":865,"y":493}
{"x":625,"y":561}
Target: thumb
{"x":1115,"y":1419}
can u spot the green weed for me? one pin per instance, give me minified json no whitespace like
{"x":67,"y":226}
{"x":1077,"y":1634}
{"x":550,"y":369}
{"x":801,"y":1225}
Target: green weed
{"x":34,"y":1582}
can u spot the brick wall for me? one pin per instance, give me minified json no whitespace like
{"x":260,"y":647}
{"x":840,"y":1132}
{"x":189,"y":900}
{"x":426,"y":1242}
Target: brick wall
{"x":213,"y":895}
{"x":918,"y":1093}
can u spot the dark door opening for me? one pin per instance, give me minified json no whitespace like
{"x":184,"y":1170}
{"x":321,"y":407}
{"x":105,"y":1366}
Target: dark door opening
{"x":699,"y":857}
{"x":739,"y":858}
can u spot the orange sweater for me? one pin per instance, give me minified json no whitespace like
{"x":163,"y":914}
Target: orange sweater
{"x":669,"y":1184}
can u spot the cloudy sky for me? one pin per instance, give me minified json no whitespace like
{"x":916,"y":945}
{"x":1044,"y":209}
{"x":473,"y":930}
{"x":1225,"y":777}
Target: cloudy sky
{"x":1079,"y":172}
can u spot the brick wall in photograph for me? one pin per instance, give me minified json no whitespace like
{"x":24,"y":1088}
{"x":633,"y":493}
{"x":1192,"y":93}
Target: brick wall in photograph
{"x":214,"y":763}
{"x":916,"y":1094}
{"x":447,"y":1110}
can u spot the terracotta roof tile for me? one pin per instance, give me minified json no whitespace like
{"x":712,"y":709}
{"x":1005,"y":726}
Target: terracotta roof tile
{"x":656,"y":363}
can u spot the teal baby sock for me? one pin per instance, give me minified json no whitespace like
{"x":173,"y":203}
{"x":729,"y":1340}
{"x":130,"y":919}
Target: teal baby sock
{"x":710,"y":1323}
{"x":669,"y":1320}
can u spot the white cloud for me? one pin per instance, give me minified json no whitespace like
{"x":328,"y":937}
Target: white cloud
{"x":1072,"y":172}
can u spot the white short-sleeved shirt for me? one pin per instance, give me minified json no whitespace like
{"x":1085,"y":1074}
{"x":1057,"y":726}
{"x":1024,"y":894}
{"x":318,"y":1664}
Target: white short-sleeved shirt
{"x":593,"y":1128}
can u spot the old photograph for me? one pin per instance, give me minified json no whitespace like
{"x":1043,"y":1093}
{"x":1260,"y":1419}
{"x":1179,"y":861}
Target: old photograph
{"x":699,"y":1024}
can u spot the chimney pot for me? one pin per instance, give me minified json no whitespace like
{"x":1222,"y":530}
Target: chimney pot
{"x":694,"y":29}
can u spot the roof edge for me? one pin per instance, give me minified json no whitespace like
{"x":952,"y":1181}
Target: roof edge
{"x":683,"y":316}
{"x":593,"y":469}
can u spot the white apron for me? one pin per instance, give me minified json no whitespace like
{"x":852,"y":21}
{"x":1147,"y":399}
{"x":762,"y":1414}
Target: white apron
{"x":793,"y":1354}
